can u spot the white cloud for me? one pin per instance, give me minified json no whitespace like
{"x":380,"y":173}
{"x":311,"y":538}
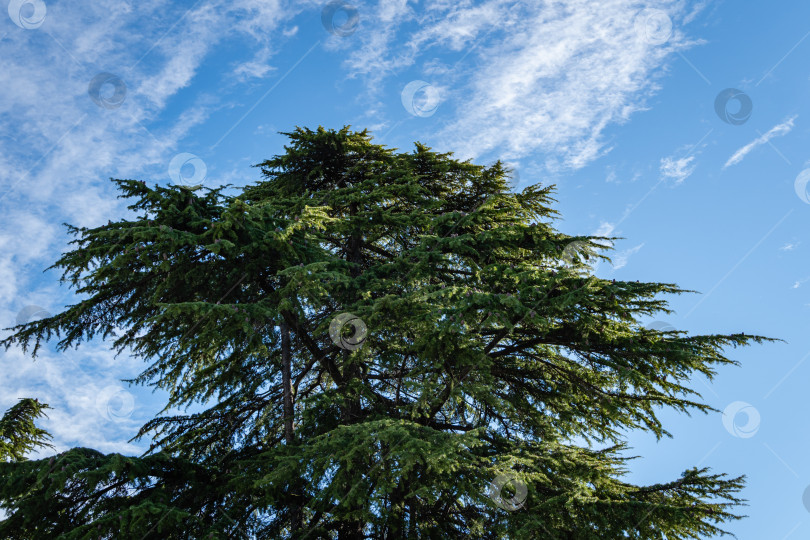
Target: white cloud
{"x":526,"y":77}
{"x":800,"y":282}
{"x":776,"y":131}
{"x":605,"y":229}
{"x":677,"y":169}
{"x":620,"y":259}
{"x":790,"y":246}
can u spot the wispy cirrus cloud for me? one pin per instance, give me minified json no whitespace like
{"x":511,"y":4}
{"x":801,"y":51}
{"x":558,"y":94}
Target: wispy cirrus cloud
{"x":621,"y":259}
{"x":790,"y":246}
{"x":800,"y":282}
{"x":605,"y":229}
{"x":677,"y":169}
{"x":778,"y":130}
{"x":524,"y":77}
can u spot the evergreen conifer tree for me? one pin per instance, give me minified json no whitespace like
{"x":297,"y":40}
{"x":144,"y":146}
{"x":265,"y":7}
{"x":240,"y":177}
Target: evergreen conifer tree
{"x":385,"y":345}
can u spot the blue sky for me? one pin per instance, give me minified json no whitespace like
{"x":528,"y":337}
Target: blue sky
{"x":615,"y":102}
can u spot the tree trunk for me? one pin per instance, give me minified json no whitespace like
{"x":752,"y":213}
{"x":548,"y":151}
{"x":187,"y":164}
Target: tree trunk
{"x":286,"y":375}
{"x":352,"y":410}
{"x":289,"y":434}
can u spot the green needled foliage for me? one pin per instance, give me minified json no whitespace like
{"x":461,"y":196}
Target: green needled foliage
{"x":18,"y":431}
{"x":481,"y":389}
